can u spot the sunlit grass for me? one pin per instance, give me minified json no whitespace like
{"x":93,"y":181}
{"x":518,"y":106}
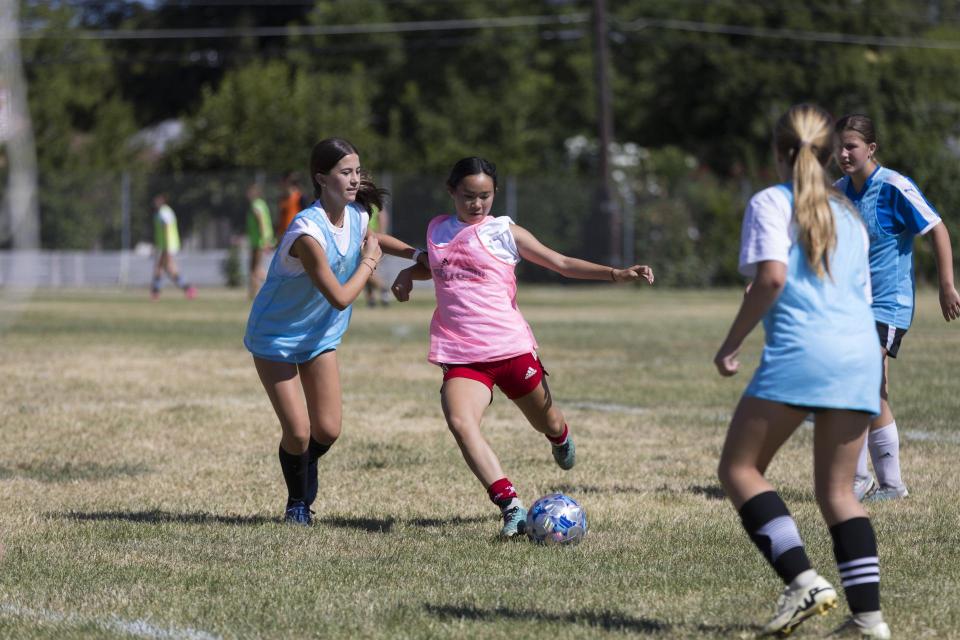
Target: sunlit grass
{"x":139,"y":482}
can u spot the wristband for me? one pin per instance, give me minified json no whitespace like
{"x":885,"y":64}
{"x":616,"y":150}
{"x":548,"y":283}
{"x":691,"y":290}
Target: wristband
{"x":417,"y":253}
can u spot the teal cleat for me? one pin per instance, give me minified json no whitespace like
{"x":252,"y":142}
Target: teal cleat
{"x":565,"y":454}
{"x":514,"y":522}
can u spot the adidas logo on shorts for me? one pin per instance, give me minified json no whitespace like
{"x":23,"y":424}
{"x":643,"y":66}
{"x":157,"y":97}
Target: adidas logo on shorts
{"x":530,"y":373}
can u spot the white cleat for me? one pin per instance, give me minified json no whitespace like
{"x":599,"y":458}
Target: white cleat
{"x":796,"y":605}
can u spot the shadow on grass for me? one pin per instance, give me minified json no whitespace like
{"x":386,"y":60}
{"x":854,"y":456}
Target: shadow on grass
{"x":581,"y":489}
{"x":162,"y":517}
{"x":608,"y":620}
{"x":712,"y":492}
{"x":442,"y":522}
{"x":69,"y":472}
{"x":370,"y":525}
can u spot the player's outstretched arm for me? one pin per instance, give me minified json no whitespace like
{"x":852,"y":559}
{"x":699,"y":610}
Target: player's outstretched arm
{"x":538,"y":253}
{"x":314,"y":260}
{"x":949,"y":298}
{"x":403,"y":284}
{"x":399,"y":248}
{"x":759,"y":297}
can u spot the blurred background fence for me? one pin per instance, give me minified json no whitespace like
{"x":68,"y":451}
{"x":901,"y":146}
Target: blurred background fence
{"x":100,"y":231}
{"x":684,"y":223}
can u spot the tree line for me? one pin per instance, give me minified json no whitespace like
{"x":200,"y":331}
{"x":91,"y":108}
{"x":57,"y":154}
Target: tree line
{"x":417,"y":84}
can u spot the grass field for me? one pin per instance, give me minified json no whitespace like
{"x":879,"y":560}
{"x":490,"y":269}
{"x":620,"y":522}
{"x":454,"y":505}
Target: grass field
{"x":140,"y":494}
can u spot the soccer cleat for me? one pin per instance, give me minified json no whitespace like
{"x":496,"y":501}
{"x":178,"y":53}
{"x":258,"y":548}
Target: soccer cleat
{"x":887,"y":493}
{"x":565,"y":454}
{"x":298,"y":513}
{"x":796,"y":605}
{"x":850,"y":629}
{"x":190,"y":292}
{"x":864,"y":486}
{"x":514,"y":522}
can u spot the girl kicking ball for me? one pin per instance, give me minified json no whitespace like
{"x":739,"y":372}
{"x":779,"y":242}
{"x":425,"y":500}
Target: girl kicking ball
{"x":478,"y":335}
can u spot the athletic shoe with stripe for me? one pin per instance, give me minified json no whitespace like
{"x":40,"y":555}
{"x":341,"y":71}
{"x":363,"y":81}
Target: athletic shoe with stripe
{"x":886,"y":492}
{"x":514,"y":522}
{"x":850,"y":629}
{"x":864,"y":486}
{"x":565,"y":454}
{"x":298,"y":513}
{"x":796,"y":605}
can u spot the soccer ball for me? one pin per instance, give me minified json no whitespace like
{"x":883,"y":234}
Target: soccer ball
{"x":556,"y":519}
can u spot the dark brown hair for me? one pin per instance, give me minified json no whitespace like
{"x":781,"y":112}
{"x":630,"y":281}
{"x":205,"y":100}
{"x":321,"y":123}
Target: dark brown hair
{"x":858,"y":123}
{"x":325,"y":156}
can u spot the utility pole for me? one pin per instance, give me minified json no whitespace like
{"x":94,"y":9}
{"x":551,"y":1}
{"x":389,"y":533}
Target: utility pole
{"x":608,"y":211}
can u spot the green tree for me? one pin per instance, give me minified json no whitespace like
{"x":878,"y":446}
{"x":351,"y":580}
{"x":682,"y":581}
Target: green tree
{"x":80,"y":126}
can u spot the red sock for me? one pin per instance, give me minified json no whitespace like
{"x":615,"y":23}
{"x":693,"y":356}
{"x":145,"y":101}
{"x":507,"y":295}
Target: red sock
{"x":501,"y":492}
{"x":562,"y":438}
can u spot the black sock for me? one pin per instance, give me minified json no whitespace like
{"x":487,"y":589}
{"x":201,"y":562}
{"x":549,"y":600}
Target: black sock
{"x":294,"y":466}
{"x":855,"y":548}
{"x":315,"y":452}
{"x":773,"y":530}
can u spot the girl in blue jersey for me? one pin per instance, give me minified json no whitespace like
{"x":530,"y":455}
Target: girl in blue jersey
{"x":895,"y":212}
{"x":806,"y":250}
{"x":300,"y":314}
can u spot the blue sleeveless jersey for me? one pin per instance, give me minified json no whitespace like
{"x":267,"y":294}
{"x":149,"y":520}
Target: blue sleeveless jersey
{"x":290,"y":320}
{"x":821,"y":344}
{"x":895,"y":212}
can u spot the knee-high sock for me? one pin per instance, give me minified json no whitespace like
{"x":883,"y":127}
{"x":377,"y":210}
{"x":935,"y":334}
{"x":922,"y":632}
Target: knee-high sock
{"x":315,"y":452}
{"x":294,"y":467}
{"x":862,"y":470}
{"x":771,"y":527}
{"x":885,"y":453}
{"x":855,"y":548}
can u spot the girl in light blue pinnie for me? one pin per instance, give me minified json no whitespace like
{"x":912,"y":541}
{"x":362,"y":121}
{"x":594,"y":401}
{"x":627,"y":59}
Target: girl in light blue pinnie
{"x":299,"y":316}
{"x":806,"y":249}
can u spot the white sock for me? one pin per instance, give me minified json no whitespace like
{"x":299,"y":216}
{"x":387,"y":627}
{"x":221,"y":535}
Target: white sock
{"x":862,"y":470}
{"x":885,"y":454}
{"x":867,"y":619}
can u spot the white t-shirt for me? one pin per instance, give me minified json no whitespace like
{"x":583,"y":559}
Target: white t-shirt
{"x":768,"y":230}
{"x":495,"y":235}
{"x":303,"y":226}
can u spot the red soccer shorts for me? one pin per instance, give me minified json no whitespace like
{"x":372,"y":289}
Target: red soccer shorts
{"x":515,"y":376}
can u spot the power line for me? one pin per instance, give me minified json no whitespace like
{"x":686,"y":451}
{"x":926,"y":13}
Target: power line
{"x":310,"y":30}
{"x":788,"y":34}
{"x":639,"y":24}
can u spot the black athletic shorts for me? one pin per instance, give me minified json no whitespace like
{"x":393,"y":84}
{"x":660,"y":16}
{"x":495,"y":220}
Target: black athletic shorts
{"x":890,"y":338}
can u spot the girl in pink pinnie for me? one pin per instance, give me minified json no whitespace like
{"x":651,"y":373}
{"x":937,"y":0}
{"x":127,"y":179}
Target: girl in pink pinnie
{"x":478,"y":335}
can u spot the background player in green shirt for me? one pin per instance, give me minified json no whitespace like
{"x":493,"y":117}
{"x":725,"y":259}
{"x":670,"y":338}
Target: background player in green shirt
{"x":260,"y":236}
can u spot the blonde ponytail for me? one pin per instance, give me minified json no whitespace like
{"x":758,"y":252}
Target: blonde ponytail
{"x":804,"y":136}
{"x":811,"y":210}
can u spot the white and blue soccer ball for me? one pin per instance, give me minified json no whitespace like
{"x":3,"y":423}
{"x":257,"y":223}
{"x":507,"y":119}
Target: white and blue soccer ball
{"x":556,"y":519}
